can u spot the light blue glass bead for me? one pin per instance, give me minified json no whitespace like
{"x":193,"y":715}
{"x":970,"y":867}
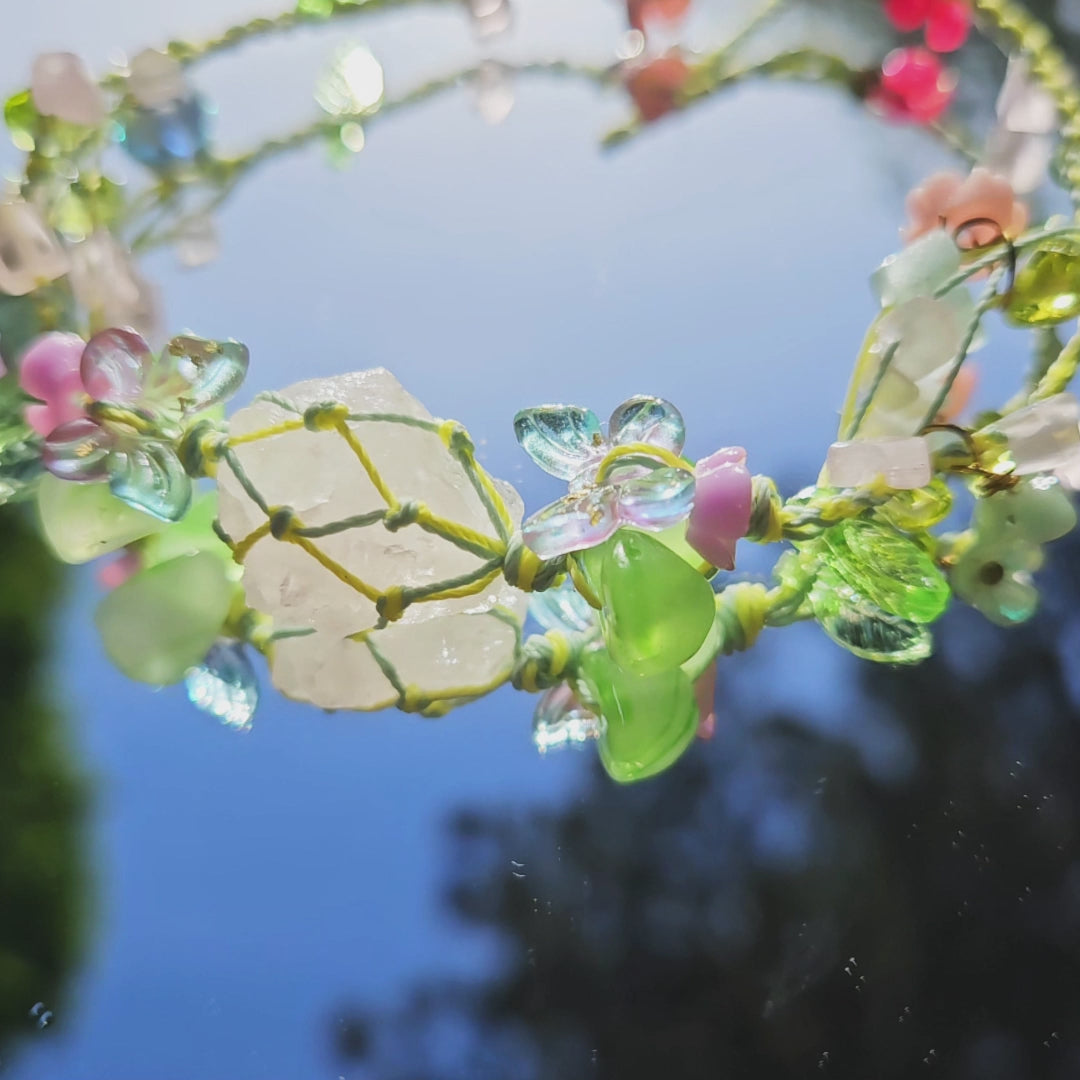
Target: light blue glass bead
{"x":224,"y":685}
{"x":563,"y":440}
{"x":167,"y":137}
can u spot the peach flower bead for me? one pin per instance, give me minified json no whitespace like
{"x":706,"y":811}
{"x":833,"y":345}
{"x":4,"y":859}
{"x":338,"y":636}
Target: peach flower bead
{"x":950,"y":201}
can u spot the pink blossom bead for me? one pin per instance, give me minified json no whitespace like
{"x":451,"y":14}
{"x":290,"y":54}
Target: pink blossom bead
{"x":705,"y":694}
{"x":49,"y":371}
{"x":723,"y":496}
{"x":113,"y":574}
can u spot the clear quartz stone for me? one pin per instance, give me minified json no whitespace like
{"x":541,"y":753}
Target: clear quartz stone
{"x":493,"y":92}
{"x":903,"y":462}
{"x":61,"y":86}
{"x":1043,"y":437}
{"x":30,"y":254}
{"x":155,"y":79}
{"x":436,"y":646}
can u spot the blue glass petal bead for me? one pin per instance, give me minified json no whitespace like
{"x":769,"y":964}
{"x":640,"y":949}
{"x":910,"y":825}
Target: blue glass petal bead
{"x":561,"y":720}
{"x":213,"y":370}
{"x":148,"y":475}
{"x":167,"y":137}
{"x":563,"y":440}
{"x":224,"y":685}
{"x":645,"y":419}
{"x":562,"y":608}
{"x":658,"y":500}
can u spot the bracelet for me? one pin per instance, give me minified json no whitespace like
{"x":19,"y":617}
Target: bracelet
{"x":356,"y":541}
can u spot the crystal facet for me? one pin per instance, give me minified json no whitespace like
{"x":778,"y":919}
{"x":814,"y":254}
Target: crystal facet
{"x":903,"y":463}
{"x":560,"y":720}
{"x":649,"y":720}
{"x":224,"y":685}
{"x":1047,"y":289}
{"x":888,"y":569}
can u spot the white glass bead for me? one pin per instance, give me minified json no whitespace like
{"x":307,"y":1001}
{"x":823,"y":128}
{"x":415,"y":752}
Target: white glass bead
{"x":155,"y":79}
{"x":490,"y":17}
{"x":493,"y":92}
{"x":1043,"y":437}
{"x":903,"y":462}
{"x":197,"y":241}
{"x":61,"y":86}
{"x":108,"y":285}
{"x":918,"y":270}
{"x":30,"y":254}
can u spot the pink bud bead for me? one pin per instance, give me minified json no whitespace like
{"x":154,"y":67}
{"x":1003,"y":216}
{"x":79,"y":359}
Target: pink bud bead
{"x":49,"y":371}
{"x":723,"y":496}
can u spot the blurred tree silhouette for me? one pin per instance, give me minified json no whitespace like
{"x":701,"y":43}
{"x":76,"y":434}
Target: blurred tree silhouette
{"x":782,"y":905}
{"x":42,"y":798}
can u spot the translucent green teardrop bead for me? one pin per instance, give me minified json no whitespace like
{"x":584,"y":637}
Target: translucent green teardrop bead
{"x":656,"y":610}
{"x":649,"y":720}
{"x":1047,"y":289}
{"x":163,"y":621}
{"x":887,"y":568}
{"x":863,"y":628}
{"x":82,"y":521}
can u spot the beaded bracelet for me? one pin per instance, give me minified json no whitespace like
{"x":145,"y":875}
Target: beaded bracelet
{"x":356,"y":541}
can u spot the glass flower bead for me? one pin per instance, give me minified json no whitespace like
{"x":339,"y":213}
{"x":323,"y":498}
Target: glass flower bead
{"x":167,"y":137}
{"x":977,"y":209}
{"x":435,"y":646}
{"x":1047,"y":288}
{"x":902,"y":462}
{"x":136,"y":402}
{"x":631,"y":476}
{"x":656,"y":610}
{"x":562,"y":608}
{"x":61,"y":86}
{"x":649,"y":720}
{"x":164,"y":620}
{"x":887,"y":568}
{"x":1034,"y":512}
{"x":723,"y":501}
{"x":30,"y":255}
{"x":994,"y":577}
{"x":49,"y":372}
{"x":224,"y":685}
{"x":1041,"y":437}
{"x":913,"y":87}
{"x":560,"y":720}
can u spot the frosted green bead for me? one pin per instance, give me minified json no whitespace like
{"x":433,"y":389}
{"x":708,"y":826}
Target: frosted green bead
{"x":649,"y":720}
{"x":193,"y":532}
{"x":656,"y":610}
{"x":863,"y":628}
{"x":995,"y":578}
{"x":163,"y":621}
{"x":1047,"y":289}
{"x":1035,"y":511}
{"x":887,"y":568}
{"x":82,"y":521}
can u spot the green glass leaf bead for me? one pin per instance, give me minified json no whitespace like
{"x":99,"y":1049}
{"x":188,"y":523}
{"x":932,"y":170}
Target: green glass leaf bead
{"x":82,"y":521}
{"x":194,"y":532}
{"x":649,"y":720}
{"x":887,"y":568}
{"x":164,"y":620}
{"x":918,"y":509}
{"x":1047,"y":289}
{"x":674,"y":539}
{"x":656,"y":610}
{"x":862,"y":628}
{"x":1035,"y":511}
{"x":22,"y":120}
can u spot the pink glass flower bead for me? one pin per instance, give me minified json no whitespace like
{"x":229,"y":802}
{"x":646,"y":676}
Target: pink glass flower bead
{"x":723,"y":498}
{"x":50,"y":372}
